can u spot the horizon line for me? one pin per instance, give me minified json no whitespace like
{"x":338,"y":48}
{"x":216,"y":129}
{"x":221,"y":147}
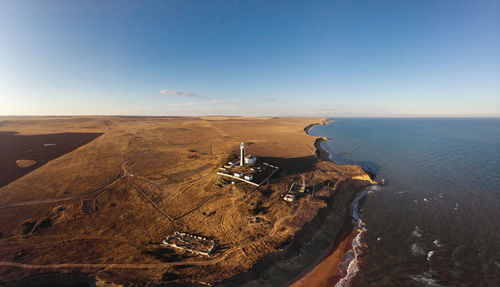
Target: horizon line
{"x":258,"y":116}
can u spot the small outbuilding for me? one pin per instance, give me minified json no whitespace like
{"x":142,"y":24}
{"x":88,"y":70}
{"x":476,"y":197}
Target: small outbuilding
{"x":229,"y":165}
{"x":250,"y":159}
{"x":289,"y":197}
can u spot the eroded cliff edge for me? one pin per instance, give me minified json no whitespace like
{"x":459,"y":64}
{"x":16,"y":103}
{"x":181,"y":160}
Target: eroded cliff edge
{"x":317,"y":237}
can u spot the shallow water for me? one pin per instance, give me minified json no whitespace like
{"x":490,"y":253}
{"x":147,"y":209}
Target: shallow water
{"x":435,"y":222}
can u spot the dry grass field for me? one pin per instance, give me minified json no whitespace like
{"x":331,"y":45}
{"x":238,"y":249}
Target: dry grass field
{"x":150,"y":177}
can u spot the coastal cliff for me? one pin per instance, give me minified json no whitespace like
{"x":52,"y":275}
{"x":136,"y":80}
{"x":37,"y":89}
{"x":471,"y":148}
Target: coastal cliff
{"x":325,"y":272}
{"x":318,"y":237}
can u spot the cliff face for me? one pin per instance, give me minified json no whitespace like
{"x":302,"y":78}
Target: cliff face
{"x":353,"y":179}
{"x":364,"y":177}
{"x":353,"y":172}
{"x":357,"y":174}
{"x":309,"y":245}
{"x":319,"y":236}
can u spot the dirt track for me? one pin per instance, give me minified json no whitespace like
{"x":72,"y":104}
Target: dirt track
{"x":123,"y":173}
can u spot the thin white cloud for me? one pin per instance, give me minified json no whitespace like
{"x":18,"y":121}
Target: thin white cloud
{"x":201,"y":103}
{"x":178,"y":93}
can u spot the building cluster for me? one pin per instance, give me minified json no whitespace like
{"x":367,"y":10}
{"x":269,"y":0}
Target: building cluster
{"x":243,"y":159}
{"x":247,"y":169}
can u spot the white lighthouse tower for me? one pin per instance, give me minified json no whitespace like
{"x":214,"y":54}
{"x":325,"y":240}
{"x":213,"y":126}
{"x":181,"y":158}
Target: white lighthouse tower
{"x":242,"y":154}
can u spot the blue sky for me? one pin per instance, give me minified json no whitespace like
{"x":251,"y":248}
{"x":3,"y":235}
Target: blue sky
{"x":305,"y":58}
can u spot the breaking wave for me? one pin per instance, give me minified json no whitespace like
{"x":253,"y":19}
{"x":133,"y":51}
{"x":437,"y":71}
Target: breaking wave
{"x":417,"y":232}
{"x":426,"y":278}
{"x":429,"y":255}
{"x":417,"y":249}
{"x":349,"y":267}
{"x":438,"y":244}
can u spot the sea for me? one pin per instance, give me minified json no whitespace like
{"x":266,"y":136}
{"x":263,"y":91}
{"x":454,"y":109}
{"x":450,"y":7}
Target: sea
{"x":436,"y":220}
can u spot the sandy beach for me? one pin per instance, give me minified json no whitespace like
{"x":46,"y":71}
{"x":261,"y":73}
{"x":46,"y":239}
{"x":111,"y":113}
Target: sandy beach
{"x":326,"y":273}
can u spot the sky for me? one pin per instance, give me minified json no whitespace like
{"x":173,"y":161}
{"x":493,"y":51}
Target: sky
{"x":251,"y":58}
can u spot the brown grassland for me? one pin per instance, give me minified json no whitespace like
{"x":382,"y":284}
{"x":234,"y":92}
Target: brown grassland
{"x":150,"y":177}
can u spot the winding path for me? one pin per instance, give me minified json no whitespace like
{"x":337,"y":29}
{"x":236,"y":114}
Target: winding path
{"x":123,"y":173}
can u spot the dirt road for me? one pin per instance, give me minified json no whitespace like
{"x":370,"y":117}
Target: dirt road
{"x":123,"y":173}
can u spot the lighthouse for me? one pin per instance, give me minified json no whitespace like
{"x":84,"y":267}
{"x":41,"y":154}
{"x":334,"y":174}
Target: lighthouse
{"x":242,"y":154}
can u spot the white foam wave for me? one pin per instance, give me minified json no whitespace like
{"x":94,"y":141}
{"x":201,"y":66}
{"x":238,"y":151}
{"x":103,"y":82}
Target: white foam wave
{"x":417,"y":249}
{"x":373,"y":188}
{"x":438,"y":244}
{"x":426,"y":278}
{"x":417,"y":232}
{"x":429,"y":255}
{"x":348,"y":257}
{"x":354,"y":208}
{"x":349,"y":267}
{"x":351,"y":257}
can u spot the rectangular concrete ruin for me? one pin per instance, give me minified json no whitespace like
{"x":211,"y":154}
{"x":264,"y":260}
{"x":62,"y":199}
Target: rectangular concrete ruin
{"x":192,"y":243}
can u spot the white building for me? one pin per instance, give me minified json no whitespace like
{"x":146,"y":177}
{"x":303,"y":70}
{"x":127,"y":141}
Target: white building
{"x":250,"y":159}
{"x":229,"y":165}
{"x":248,"y":177}
{"x":289,"y":197}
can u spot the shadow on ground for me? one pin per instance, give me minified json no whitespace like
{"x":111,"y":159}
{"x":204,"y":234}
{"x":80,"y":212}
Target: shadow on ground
{"x":40,"y":148}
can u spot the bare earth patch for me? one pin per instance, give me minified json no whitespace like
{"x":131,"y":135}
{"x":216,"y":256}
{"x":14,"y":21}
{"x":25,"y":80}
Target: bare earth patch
{"x":25,"y":163}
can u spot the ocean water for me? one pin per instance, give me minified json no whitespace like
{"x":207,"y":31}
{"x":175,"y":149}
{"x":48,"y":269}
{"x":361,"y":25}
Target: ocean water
{"x":436,"y":221}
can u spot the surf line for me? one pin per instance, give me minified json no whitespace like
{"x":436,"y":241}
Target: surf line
{"x":349,"y":267}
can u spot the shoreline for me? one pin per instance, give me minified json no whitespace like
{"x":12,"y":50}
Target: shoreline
{"x":325,"y":272}
{"x":326,"y":121}
{"x":315,"y":230}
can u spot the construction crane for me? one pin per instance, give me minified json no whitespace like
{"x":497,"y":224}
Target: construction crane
{"x":290,"y":190}
{"x":303,"y":187}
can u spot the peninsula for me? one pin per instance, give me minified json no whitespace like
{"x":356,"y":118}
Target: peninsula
{"x":151,"y":200}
